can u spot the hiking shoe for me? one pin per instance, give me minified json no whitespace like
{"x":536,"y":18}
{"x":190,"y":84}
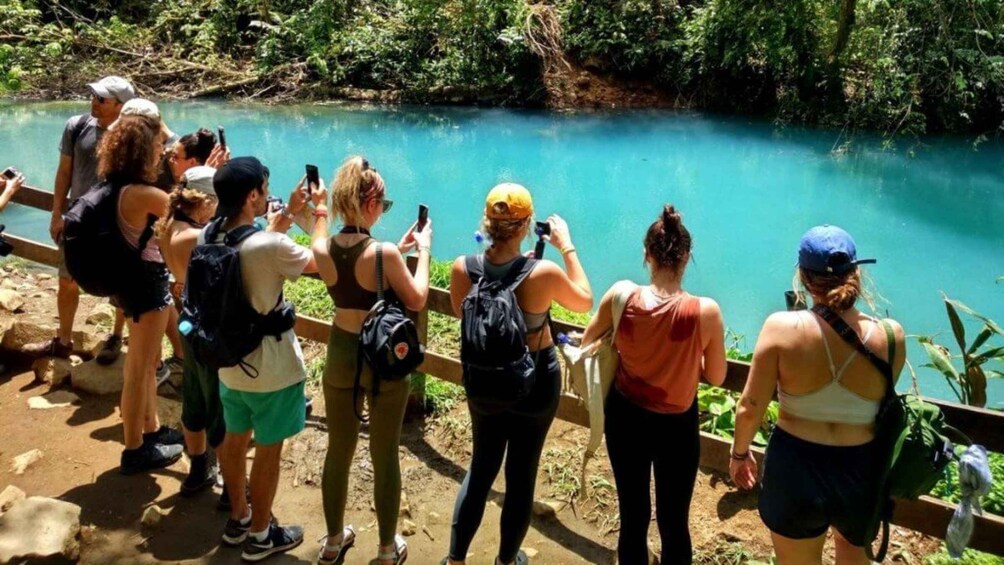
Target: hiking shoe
{"x":163,"y":372}
{"x":280,"y":539}
{"x":110,"y":351}
{"x":201,"y":475}
{"x":149,"y":456}
{"x":165,"y":436}
{"x":50,"y":348}
{"x":174,"y":364}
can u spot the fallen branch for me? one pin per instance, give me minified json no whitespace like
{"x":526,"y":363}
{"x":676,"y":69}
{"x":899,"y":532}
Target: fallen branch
{"x":222,"y":88}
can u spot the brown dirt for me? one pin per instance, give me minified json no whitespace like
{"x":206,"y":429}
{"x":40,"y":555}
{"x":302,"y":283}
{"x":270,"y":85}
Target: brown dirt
{"x":573,"y":85}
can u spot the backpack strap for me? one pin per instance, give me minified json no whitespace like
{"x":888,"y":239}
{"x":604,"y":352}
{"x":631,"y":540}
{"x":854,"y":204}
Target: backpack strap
{"x":379,"y":271}
{"x":475,"y":267}
{"x":848,"y":335}
{"x":518,"y":271}
{"x":78,"y":129}
{"x":235,"y":236}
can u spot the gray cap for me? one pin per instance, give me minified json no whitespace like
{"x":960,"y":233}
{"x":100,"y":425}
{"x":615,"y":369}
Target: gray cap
{"x":113,"y":87}
{"x":199,"y":178}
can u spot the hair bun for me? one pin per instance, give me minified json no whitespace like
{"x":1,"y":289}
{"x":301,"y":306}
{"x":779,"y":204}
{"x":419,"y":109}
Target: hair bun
{"x":671,"y":218}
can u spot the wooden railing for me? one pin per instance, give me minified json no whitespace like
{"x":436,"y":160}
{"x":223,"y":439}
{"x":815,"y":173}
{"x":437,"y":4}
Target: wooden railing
{"x":927,"y":515}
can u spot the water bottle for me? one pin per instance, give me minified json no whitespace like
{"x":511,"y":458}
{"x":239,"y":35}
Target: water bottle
{"x":185,"y":327}
{"x":482,"y":242}
{"x":563,"y":338}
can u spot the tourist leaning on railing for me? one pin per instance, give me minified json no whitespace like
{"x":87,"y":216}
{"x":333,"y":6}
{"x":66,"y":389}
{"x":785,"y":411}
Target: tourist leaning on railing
{"x":821,"y":458}
{"x":667,"y":340}
{"x":347,"y":262}
{"x":516,"y":427}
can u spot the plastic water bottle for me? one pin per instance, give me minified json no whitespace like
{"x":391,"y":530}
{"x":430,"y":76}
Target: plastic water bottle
{"x":563,"y":338}
{"x":480,"y":239}
{"x":185,"y":327}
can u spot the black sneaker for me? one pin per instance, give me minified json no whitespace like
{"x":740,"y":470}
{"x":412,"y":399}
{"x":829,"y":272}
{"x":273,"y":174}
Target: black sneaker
{"x":110,"y":351}
{"x":280,"y":539}
{"x":149,"y":456}
{"x":201,"y":475}
{"x":234,"y":533}
{"x":165,"y":435}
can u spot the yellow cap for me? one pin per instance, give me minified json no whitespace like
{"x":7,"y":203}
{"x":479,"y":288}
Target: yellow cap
{"x":509,"y":201}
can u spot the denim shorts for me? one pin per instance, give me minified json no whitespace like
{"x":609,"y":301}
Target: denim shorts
{"x":151,"y":293}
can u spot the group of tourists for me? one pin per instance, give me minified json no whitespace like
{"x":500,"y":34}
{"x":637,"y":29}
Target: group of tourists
{"x":819,"y":466}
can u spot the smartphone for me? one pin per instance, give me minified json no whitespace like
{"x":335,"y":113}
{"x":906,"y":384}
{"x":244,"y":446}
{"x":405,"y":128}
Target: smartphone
{"x":275,"y":203}
{"x":10,"y":172}
{"x":543,"y":228}
{"x":222,"y":136}
{"x":423,"y":216}
{"x":313,"y":178}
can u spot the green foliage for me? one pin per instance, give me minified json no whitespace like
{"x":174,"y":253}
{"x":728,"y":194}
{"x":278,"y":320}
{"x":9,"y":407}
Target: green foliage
{"x":970,"y":383}
{"x":908,"y":67}
{"x":718,"y":414}
{"x":993,"y":502}
{"x":969,"y":557}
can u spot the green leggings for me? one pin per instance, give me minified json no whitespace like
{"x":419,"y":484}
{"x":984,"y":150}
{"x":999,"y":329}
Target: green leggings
{"x":386,"y":416}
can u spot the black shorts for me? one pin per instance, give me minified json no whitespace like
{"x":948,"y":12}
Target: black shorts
{"x":808,"y":487}
{"x":150,"y":292}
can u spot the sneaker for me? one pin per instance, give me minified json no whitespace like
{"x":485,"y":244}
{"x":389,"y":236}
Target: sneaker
{"x":163,"y":372}
{"x":175,"y":364}
{"x":165,"y":436}
{"x":201,"y":475}
{"x":50,"y":348}
{"x":110,"y":351}
{"x":149,"y":456}
{"x":279,"y":539}
{"x":235,"y":532}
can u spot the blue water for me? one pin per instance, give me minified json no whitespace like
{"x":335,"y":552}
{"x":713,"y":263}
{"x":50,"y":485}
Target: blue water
{"x":931,"y":213}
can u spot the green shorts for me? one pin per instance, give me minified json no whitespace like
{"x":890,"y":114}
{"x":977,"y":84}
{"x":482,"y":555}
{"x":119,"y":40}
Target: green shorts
{"x":201,"y":408}
{"x":274,"y":416}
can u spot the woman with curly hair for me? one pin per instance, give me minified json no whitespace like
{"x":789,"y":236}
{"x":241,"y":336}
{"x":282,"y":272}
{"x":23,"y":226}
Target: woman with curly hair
{"x":129,"y":156}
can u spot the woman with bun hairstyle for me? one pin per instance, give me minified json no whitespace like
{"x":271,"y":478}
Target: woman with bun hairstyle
{"x":347,"y":264}
{"x":668,"y":339}
{"x":128,"y":156}
{"x":819,"y":471}
{"x":515,"y":432}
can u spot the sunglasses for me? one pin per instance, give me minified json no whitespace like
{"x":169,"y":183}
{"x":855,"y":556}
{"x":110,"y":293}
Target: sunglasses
{"x":387,"y":204}
{"x":100,"y":99}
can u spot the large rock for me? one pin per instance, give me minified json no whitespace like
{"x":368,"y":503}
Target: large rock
{"x":54,"y":371}
{"x":10,"y":300}
{"x":18,"y":333}
{"x":39,"y":528}
{"x":21,"y":462}
{"x":98,"y":379}
{"x":169,"y":411}
{"x":102,"y":314}
{"x":9,"y":497}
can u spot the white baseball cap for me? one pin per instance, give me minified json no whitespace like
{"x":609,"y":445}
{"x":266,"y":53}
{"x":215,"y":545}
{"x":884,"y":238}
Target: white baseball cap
{"x":113,"y":87}
{"x":199,"y":178}
{"x":145,"y":108}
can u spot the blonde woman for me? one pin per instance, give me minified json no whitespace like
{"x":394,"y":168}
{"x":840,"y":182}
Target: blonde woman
{"x":347,"y":264}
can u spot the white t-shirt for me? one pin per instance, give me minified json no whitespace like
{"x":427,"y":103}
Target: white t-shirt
{"x":268,"y":260}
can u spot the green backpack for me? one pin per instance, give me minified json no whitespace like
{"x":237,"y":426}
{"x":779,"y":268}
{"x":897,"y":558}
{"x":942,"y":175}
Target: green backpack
{"x":909,"y":432}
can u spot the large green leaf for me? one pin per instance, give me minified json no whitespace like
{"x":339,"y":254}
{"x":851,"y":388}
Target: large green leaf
{"x":981,"y":338}
{"x":941,"y":361}
{"x":995,"y":353}
{"x":990,"y":323}
{"x":957,"y":328}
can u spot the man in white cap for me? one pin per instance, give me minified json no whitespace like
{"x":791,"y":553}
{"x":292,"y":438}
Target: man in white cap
{"x":77,"y":174}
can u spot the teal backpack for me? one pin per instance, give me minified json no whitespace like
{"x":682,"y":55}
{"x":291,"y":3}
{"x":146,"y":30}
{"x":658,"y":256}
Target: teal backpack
{"x":911,"y":434}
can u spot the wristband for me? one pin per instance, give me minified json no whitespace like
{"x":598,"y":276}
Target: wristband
{"x":320,"y":212}
{"x":567,"y":249}
{"x":739,"y":456}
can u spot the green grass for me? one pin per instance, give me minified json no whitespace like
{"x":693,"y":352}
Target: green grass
{"x":970,"y":557}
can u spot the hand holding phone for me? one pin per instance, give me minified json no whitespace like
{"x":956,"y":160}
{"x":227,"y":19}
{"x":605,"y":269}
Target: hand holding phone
{"x":222,"y":136}
{"x":10,"y":172}
{"x":423,"y":217}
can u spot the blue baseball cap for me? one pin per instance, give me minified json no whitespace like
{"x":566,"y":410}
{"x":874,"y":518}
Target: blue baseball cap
{"x":828,"y":249}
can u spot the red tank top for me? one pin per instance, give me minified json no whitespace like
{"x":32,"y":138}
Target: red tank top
{"x":660,"y":352}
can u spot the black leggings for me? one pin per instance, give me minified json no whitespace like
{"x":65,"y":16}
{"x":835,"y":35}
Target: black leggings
{"x":637,"y":440}
{"x":521,"y":430}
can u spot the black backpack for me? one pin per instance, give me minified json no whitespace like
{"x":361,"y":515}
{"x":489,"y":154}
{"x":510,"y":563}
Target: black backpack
{"x":97,"y":255}
{"x":498,"y":367}
{"x":217,"y":318}
{"x":388,"y":341}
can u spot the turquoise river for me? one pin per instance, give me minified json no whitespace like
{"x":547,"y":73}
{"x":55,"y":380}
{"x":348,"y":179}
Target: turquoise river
{"x":930,"y":211}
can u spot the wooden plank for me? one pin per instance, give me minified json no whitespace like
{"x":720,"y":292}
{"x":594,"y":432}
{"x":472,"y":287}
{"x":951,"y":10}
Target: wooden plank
{"x":34,"y":197}
{"x":34,"y":251}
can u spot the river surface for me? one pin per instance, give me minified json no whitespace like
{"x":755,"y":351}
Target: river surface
{"x":930,"y":212}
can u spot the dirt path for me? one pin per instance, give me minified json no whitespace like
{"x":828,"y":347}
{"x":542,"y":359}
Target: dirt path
{"x":82,"y":444}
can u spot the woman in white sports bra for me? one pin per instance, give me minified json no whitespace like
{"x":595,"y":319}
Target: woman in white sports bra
{"x":821,"y":461}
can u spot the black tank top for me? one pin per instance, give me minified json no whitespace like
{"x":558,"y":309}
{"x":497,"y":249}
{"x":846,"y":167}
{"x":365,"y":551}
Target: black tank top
{"x":347,"y":292}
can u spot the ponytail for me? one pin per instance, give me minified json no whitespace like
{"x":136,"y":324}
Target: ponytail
{"x":354,"y":182}
{"x":668,"y":241}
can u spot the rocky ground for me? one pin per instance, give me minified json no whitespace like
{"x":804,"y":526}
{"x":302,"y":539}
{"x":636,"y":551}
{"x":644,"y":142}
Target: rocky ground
{"x":61,"y":442}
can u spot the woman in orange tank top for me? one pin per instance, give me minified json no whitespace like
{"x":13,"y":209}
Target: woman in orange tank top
{"x":667,"y":340}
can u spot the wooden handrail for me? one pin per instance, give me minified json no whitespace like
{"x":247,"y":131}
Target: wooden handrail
{"x":927,"y":515}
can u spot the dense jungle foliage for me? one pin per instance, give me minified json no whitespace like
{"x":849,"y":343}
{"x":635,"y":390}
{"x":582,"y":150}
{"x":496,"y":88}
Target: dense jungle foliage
{"x":905,"y":67}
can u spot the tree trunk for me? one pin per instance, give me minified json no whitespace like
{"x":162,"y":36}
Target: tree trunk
{"x":844,"y":25}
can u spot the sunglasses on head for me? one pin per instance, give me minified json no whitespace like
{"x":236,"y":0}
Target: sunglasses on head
{"x":366,"y":165}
